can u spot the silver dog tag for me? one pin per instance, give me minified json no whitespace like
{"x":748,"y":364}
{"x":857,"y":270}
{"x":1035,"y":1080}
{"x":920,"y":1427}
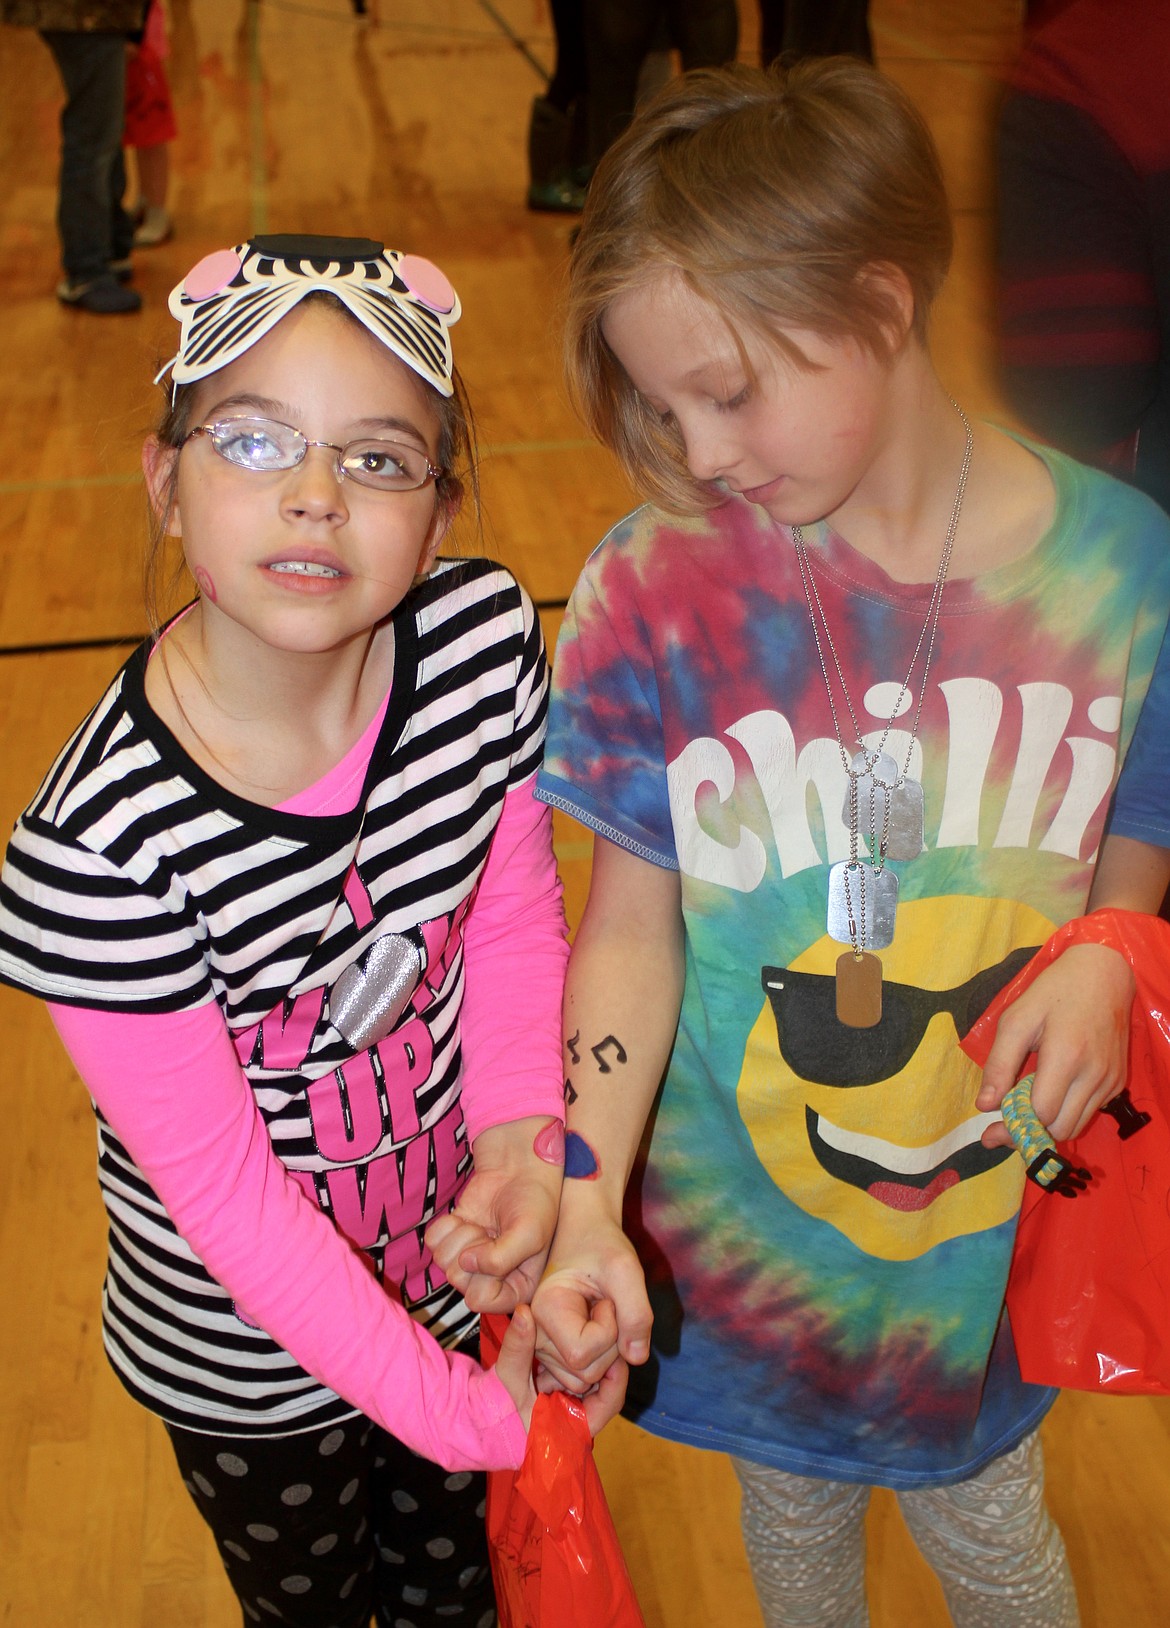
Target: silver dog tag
{"x":906,"y":832}
{"x":890,"y":814}
{"x":868,"y":898}
{"x":874,"y":786}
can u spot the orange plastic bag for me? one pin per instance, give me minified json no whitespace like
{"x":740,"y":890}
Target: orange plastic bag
{"x":1089,"y":1289}
{"x":556,"y":1560}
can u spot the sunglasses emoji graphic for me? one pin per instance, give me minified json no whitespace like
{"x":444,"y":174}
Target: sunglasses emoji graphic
{"x":875,"y":1130}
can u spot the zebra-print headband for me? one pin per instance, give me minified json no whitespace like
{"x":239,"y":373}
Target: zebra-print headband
{"x":234,"y":297}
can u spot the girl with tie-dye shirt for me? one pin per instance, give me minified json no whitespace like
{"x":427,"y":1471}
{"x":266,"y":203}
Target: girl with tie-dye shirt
{"x":844,"y":704}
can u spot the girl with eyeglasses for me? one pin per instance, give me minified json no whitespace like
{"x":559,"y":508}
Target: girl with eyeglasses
{"x":293,"y":904}
{"x":843,"y":703}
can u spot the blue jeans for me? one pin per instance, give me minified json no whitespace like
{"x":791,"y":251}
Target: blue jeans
{"x":93,"y":226}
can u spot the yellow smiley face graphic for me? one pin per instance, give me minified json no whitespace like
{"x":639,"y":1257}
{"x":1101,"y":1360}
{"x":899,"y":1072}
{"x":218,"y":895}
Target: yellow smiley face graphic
{"x":875,"y":1130}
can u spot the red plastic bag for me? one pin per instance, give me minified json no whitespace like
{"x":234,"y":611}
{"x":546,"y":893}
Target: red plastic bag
{"x":556,"y":1560}
{"x":1089,"y":1289}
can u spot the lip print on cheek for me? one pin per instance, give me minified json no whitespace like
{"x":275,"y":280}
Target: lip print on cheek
{"x":206,"y":583}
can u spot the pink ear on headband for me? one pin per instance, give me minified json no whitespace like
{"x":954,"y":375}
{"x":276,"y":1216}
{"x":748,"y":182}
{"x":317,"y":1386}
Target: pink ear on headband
{"x":213,"y":273}
{"x":425,"y":281}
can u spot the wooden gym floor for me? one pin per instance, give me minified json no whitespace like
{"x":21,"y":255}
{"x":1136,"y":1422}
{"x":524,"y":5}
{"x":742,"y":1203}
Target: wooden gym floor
{"x":409,"y":126}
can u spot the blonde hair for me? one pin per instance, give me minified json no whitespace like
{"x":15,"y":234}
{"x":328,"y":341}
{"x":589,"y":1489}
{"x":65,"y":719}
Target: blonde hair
{"x":770,"y":195}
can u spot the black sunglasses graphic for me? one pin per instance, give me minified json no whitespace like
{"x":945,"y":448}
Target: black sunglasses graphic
{"x":820,"y":1049}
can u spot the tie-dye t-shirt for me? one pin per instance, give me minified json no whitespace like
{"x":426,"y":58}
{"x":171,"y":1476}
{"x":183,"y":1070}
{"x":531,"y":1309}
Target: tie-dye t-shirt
{"x":825,"y":1238}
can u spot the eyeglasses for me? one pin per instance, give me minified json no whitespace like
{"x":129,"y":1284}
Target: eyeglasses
{"x":264,"y":444}
{"x":820,"y":1049}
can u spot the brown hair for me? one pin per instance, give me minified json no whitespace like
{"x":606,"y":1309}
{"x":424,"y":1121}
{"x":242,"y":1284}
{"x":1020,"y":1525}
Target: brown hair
{"x":457,"y":455}
{"x":769,"y":194}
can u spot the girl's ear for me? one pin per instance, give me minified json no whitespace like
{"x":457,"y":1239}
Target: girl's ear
{"x":158,"y":465}
{"x":890,"y":287}
{"x":445,"y":511}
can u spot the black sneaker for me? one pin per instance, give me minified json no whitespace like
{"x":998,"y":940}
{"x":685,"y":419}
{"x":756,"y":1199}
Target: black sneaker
{"x":104,"y":295}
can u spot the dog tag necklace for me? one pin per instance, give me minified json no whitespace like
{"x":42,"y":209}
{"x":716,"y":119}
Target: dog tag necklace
{"x":884,"y":806}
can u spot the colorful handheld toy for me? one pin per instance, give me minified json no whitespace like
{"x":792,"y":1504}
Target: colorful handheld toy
{"x":1046,"y":1167}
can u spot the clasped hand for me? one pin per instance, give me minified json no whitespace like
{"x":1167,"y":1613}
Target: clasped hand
{"x":1075,"y":1016}
{"x":592,"y":1312}
{"x":493,"y":1246}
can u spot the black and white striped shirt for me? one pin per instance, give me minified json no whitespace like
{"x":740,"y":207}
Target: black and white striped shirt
{"x":333,"y":947}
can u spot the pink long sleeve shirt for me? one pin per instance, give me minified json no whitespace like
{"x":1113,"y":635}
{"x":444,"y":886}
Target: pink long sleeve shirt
{"x":318,"y":1008}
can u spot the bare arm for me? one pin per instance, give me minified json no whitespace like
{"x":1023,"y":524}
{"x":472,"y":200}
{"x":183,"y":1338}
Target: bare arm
{"x":1130,"y":875}
{"x":1076,"y":1014}
{"x":622,"y":1001}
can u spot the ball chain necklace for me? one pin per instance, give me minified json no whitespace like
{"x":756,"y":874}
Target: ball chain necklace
{"x":884,"y":806}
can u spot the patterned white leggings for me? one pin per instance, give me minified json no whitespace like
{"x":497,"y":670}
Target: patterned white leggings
{"x":990,"y":1540}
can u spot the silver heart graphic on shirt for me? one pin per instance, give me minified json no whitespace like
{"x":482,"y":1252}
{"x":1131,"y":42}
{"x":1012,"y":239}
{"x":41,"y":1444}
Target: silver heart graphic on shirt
{"x":370,"y":996}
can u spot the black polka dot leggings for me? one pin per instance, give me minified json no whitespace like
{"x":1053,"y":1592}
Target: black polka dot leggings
{"x":330,"y":1528}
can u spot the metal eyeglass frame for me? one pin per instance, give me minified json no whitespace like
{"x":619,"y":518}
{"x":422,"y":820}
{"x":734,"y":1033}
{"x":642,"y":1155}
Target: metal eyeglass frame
{"x":209,"y":429}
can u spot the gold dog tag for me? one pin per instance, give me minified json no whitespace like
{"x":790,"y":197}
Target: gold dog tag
{"x":859,"y":990}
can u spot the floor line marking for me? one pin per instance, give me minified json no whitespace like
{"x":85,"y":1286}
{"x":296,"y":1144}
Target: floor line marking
{"x":513,"y":38}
